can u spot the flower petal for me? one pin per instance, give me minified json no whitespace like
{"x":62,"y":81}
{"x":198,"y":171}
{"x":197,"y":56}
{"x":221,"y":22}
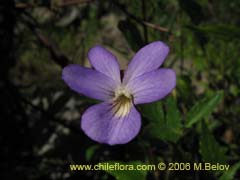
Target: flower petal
{"x":152,"y":86}
{"x":99,"y":123}
{"x":89,"y":82}
{"x":105,"y":62}
{"x":147,"y":59}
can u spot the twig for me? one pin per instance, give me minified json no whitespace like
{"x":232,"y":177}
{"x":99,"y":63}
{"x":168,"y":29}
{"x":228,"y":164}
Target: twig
{"x":60,"y":3}
{"x":155,"y":26}
{"x":140,"y":21}
{"x":58,"y":57}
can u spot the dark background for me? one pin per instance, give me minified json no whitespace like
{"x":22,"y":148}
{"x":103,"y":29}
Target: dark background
{"x":40,"y":115}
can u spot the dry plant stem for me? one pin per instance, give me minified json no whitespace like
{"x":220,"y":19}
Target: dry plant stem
{"x":60,"y":3}
{"x":155,"y":26}
{"x":140,"y":21}
{"x":57,"y":56}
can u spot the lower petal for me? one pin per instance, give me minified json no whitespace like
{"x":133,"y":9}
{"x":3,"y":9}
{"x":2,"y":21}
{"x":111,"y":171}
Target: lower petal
{"x":101,"y":125}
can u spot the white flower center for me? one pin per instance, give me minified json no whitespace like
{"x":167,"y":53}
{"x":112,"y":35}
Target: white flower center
{"x":122,"y":102}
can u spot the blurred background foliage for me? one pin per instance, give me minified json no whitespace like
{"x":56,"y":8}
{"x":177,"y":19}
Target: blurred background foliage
{"x":198,"y":122}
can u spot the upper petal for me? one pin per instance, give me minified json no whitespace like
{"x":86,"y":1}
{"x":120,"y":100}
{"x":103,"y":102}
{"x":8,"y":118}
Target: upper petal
{"x":100,"y":124}
{"x":89,"y":82}
{"x":147,"y":59}
{"x":105,"y":62}
{"x":152,"y":86}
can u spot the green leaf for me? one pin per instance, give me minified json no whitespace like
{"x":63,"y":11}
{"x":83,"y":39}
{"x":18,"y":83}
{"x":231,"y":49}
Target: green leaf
{"x":153,"y":111}
{"x":173,"y":116}
{"x":210,"y":149}
{"x":90,"y":152}
{"x":132,"y":34}
{"x":203,"y":108}
{"x":228,"y":175}
{"x":168,"y":128}
{"x":126,"y":174}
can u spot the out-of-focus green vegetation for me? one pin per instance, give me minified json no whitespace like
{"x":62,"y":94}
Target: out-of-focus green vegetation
{"x":198,"y":122}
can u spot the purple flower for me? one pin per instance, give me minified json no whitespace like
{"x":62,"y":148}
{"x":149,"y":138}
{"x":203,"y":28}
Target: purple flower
{"x":116,"y":120}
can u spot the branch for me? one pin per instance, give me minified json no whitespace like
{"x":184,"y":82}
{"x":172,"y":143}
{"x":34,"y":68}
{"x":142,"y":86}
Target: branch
{"x":60,"y":3}
{"x":58,"y":57}
{"x":155,"y":26}
{"x":140,"y":21}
